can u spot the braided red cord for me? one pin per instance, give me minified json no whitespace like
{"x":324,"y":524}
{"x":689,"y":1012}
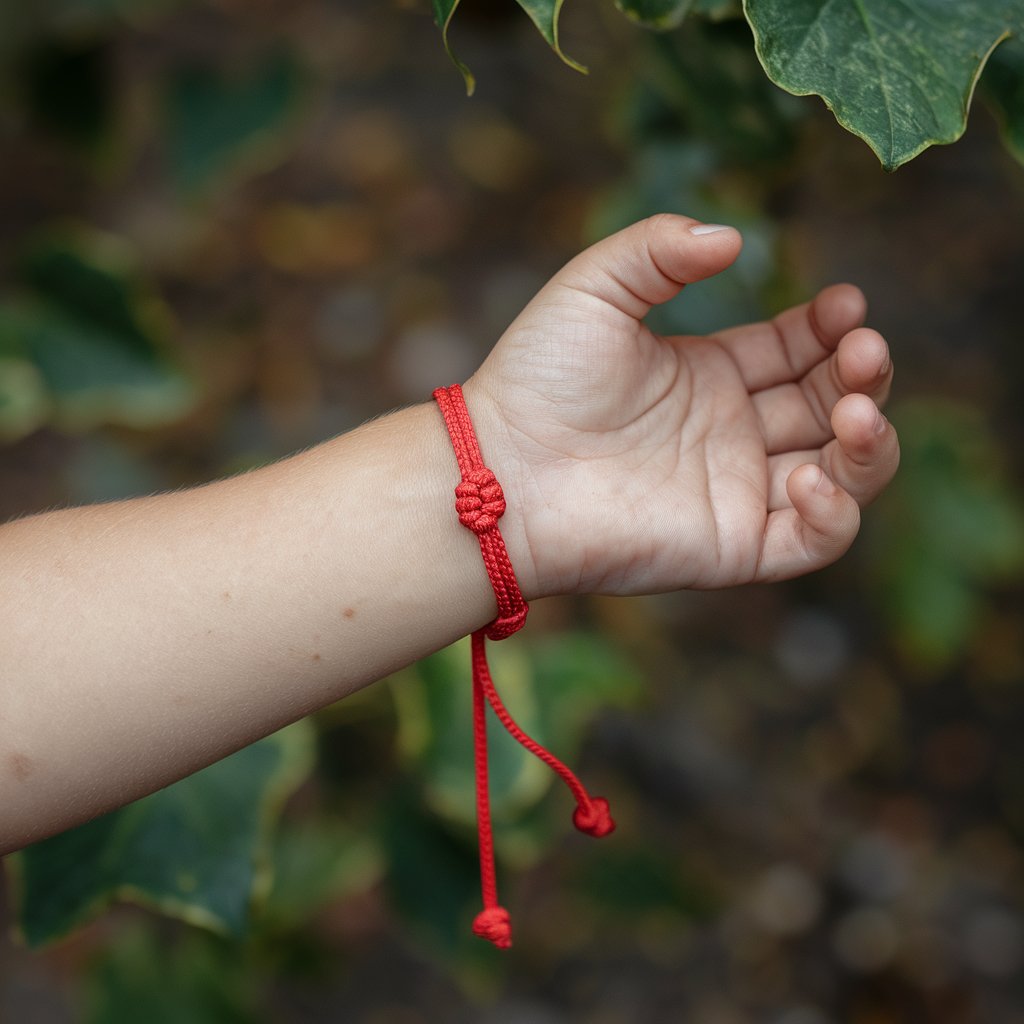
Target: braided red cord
{"x":592,"y":815}
{"x":480,"y":503}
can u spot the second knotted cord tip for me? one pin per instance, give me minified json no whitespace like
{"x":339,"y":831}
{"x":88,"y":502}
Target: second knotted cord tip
{"x":493,"y":924}
{"x":595,"y":818}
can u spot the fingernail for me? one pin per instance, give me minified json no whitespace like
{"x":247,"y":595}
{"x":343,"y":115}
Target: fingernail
{"x":825,"y":485}
{"x":708,"y":229}
{"x":880,"y":423}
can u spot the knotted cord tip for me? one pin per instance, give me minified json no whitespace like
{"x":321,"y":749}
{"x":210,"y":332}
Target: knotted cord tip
{"x":596,"y":819}
{"x":493,"y":924}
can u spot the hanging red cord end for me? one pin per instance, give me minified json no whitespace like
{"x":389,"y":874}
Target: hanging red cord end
{"x":494,"y":925}
{"x":480,"y":504}
{"x":595,"y":818}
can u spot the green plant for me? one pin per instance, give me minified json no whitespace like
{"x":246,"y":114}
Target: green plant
{"x":898,"y":73}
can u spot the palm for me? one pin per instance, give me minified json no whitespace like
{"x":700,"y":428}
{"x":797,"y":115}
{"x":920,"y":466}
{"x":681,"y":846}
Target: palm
{"x":668,"y":458}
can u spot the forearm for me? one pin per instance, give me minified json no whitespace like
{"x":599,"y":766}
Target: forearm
{"x":145,"y":639}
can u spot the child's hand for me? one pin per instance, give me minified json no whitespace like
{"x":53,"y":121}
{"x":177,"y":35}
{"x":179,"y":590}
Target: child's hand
{"x":633,"y":463}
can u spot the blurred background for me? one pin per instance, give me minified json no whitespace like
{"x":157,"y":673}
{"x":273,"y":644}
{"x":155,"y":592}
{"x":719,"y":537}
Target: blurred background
{"x":229,"y":230}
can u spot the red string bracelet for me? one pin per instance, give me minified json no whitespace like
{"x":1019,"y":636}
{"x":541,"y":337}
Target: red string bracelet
{"x":480,"y":503}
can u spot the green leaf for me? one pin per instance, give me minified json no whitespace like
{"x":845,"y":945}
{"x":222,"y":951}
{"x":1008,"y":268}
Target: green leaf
{"x":434,"y":701}
{"x":217,"y":122}
{"x":443,"y":11}
{"x":1003,"y":87}
{"x":544,"y":14}
{"x":196,"y":850}
{"x":659,"y":14}
{"x":898,"y":73}
{"x":577,"y":675}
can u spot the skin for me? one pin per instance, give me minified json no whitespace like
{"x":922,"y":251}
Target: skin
{"x":145,"y":639}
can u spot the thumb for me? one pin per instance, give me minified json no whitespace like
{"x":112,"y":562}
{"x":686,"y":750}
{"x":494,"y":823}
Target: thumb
{"x":649,"y":262}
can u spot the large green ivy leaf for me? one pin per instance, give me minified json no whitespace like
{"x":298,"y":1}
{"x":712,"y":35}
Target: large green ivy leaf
{"x":196,"y":850}
{"x":1003,"y":86}
{"x":898,"y":73}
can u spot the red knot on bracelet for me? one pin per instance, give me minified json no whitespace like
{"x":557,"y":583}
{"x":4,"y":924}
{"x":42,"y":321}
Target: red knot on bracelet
{"x":480,"y":503}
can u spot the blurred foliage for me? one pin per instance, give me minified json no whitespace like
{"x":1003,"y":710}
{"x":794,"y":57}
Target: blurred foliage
{"x":197,"y":849}
{"x":898,"y":76}
{"x":950,"y":532}
{"x":660,"y":14}
{"x":214,"y":121}
{"x":230,"y":230}
{"x":553,"y":690}
{"x":688,"y":122}
{"x":85,"y":342}
{"x":68,"y":89}
{"x":141,"y":978}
